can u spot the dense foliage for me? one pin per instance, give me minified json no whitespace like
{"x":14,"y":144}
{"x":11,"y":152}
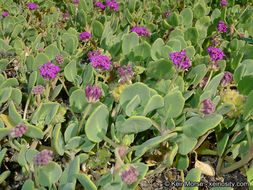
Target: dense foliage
{"x":103,"y":94}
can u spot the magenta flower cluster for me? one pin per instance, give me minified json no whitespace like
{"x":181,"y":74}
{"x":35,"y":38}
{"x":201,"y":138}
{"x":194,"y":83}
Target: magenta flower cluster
{"x":66,"y":15}
{"x":5,"y":14}
{"x":227,"y":78}
{"x":18,"y":131}
{"x":222,"y":27}
{"x":166,"y":14}
{"x":75,"y":2}
{"x":215,"y":53}
{"x":125,"y":73}
{"x":49,"y":70}
{"x":223,"y":3}
{"x":208,"y":106}
{"x":180,"y":60}
{"x":39,"y":89}
{"x":32,"y":6}
{"x":42,"y":158}
{"x":93,"y":93}
{"x":85,"y":35}
{"x":100,"y":5}
{"x":93,"y":53}
{"x":113,"y":5}
{"x":100,"y":62}
{"x":59,"y":59}
{"x":141,"y":31}
{"x":130,"y":176}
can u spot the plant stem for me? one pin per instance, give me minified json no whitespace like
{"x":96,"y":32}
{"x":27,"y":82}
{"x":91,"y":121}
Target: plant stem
{"x":47,"y":91}
{"x":182,"y":176}
{"x":218,"y":168}
{"x":202,"y":139}
{"x":26,"y":105}
{"x":240,"y":163}
{"x":64,"y":86}
{"x":172,"y":81}
{"x":36,"y":176}
{"x":156,"y":126}
{"x":209,"y":78}
{"x":84,"y":116}
{"x":106,"y":139}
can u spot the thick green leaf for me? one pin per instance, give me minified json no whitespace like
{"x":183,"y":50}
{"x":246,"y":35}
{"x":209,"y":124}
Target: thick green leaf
{"x":244,"y":87}
{"x":33,"y":131}
{"x":129,"y":42}
{"x":131,"y":91}
{"x":135,"y":124}
{"x":4,"y":132}
{"x":69,"y":174}
{"x":45,"y":113}
{"x":151,"y":143}
{"x":97,"y":124}
{"x":86,"y":182}
{"x":198,"y":126}
{"x":192,"y":35}
{"x":4,"y":175}
{"x":51,"y":51}
{"x":187,"y":15}
{"x":248,"y":106}
{"x":49,"y":174}
{"x":161,"y":69}
{"x":70,"y":71}
{"x":78,"y":101}
{"x":173,"y":105}
{"x":172,"y":154}
{"x":193,"y":176}
{"x":132,"y":105}
{"x":182,"y":162}
{"x":222,"y":143}
{"x":14,"y":115}
{"x":154,"y":102}
{"x":97,"y":29}
{"x":28,"y":185}
{"x":58,"y":142}
{"x":186,"y":144}
{"x":196,"y":74}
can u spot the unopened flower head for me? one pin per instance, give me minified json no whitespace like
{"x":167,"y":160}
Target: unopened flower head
{"x":227,"y":77}
{"x":100,"y":5}
{"x":32,"y":6}
{"x":141,"y":31}
{"x":222,"y":27}
{"x":207,"y":106}
{"x":39,"y":89}
{"x":42,"y":158}
{"x":100,"y":62}
{"x":113,"y":5}
{"x":223,"y":3}
{"x":93,"y":93}
{"x":59,"y":59}
{"x":85,"y":35}
{"x":130,"y":176}
{"x":66,"y":15}
{"x":215,"y":53}
{"x":49,"y":70}
{"x":166,"y":14}
{"x":5,"y":14}
{"x":93,"y":53}
{"x":75,"y":2}
{"x":18,"y":131}
{"x":180,"y":60}
{"x":125,"y":74}
{"x":216,"y":40}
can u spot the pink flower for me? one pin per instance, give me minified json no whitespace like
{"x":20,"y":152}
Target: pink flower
{"x":32,"y":6}
{"x":222,"y":27}
{"x":93,"y":93}
{"x":130,"y":176}
{"x":180,"y":60}
{"x":5,"y":14}
{"x":223,"y":3}
{"x":85,"y":35}
{"x":18,"y":131}
{"x":208,"y":106}
{"x":49,"y":70}
{"x":42,"y":158}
